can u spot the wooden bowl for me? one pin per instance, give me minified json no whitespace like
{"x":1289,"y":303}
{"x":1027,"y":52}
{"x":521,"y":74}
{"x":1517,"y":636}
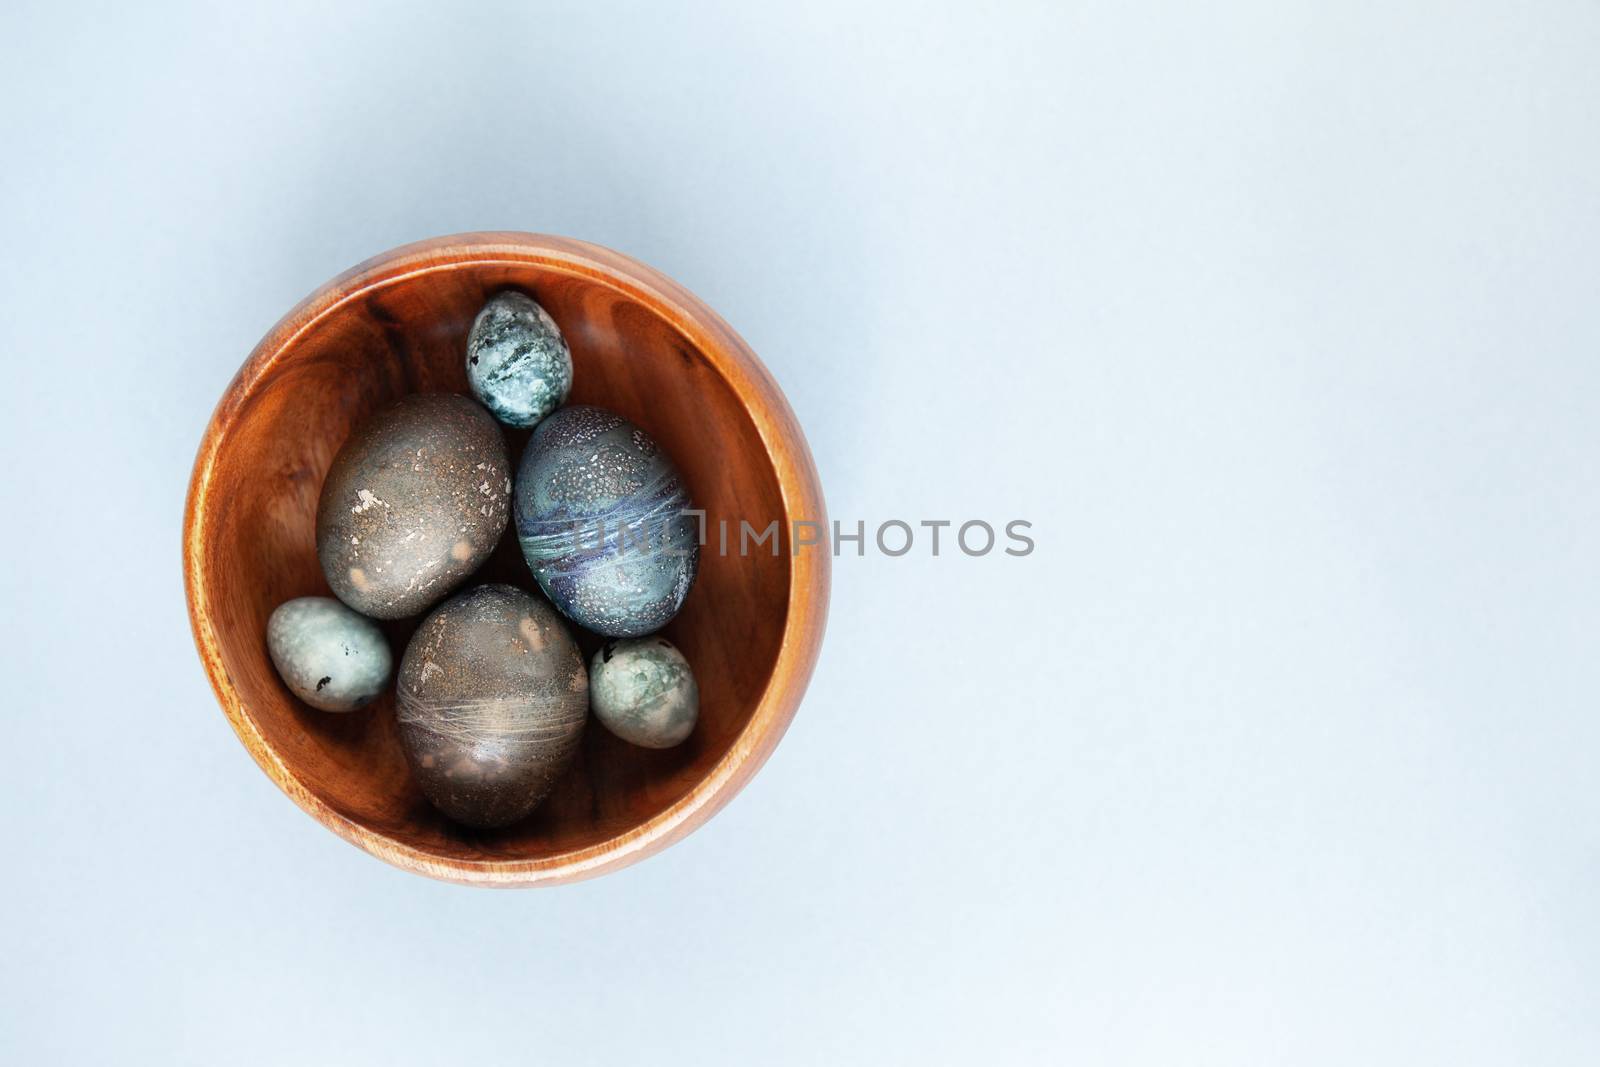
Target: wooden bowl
{"x":641,"y":346}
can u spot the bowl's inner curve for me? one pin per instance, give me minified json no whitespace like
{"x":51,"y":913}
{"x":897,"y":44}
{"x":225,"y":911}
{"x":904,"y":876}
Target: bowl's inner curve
{"x":409,"y":336}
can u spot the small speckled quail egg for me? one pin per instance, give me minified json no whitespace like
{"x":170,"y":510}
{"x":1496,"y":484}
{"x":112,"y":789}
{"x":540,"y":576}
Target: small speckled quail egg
{"x":643,"y":691}
{"x":518,"y":364}
{"x":329,"y":656}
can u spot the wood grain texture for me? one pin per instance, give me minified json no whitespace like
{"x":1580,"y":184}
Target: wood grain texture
{"x":642,"y":346}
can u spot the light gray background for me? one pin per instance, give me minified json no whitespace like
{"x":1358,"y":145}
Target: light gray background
{"x":1279,"y":320}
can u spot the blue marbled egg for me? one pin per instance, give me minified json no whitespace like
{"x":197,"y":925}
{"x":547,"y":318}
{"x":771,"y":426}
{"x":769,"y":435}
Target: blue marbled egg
{"x":330,"y":656}
{"x":601,"y":516}
{"x":518,"y":364}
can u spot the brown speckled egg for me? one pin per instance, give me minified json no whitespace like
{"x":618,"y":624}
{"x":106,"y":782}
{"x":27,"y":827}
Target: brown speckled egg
{"x":414,"y":502}
{"x":493,"y":697}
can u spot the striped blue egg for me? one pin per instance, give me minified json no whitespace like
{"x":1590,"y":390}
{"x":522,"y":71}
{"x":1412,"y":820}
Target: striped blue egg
{"x":603,"y":518}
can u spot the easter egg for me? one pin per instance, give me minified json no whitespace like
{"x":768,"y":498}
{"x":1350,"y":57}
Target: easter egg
{"x":518,"y":364}
{"x":413,"y":504}
{"x":601,"y":515}
{"x":642,"y":690}
{"x":329,"y":656}
{"x":492,"y":701}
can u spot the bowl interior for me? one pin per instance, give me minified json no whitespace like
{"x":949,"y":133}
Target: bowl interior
{"x":408,"y":334}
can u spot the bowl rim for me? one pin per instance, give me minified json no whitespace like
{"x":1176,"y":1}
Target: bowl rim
{"x":799,"y":489}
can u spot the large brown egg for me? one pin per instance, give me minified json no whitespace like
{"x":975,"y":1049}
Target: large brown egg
{"x":413,"y":504}
{"x":493,"y":697}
